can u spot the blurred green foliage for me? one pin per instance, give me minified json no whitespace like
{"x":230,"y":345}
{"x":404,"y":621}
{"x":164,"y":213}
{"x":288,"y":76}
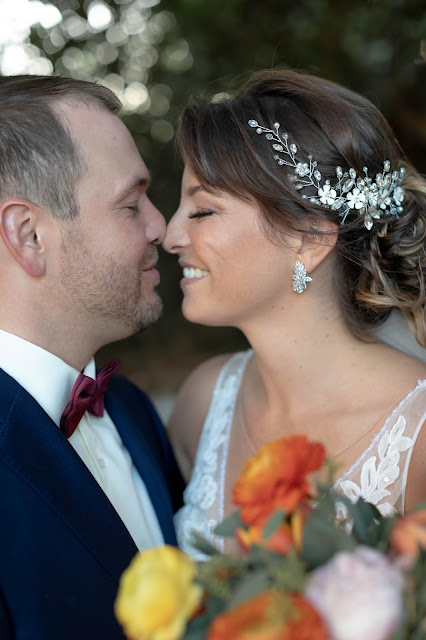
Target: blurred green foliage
{"x":156,"y":54}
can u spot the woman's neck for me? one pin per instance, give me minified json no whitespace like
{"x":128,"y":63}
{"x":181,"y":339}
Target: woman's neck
{"x":297,"y":355}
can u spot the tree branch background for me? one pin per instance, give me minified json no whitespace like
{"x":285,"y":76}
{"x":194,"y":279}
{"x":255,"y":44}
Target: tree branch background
{"x":156,"y":54}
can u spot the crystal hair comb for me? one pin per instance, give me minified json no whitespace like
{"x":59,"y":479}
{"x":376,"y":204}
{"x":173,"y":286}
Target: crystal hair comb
{"x":370,"y":199}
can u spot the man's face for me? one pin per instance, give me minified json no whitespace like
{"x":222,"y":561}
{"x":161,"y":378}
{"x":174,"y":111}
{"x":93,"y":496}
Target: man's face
{"x":108,"y":253}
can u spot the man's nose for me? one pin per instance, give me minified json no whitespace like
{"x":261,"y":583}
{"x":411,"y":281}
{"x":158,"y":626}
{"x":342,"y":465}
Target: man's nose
{"x":156,"y":227}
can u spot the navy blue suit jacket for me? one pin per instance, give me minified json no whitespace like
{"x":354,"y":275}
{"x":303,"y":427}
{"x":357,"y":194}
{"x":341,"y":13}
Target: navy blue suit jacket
{"x":62,"y":545}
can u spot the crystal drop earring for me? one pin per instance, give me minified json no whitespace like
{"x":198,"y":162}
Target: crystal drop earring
{"x":300,"y":277}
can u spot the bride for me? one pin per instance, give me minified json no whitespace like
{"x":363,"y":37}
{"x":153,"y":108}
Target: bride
{"x":301,"y":223}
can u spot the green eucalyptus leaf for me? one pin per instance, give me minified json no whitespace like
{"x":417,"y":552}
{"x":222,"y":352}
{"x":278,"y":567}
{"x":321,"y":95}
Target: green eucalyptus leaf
{"x":231,"y":568}
{"x":249,"y":587}
{"x":203,"y":545}
{"x":326,"y":502}
{"x":229,"y":525}
{"x":322,"y":539}
{"x":261,"y":557}
{"x":273,"y":523}
{"x":382,"y":532}
{"x":196,"y":632}
{"x":289,"y":573}
{"x":197,"y":628}
{"x":364,"y":517}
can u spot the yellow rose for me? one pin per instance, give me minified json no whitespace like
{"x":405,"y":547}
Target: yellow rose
{"x":157,"y":595}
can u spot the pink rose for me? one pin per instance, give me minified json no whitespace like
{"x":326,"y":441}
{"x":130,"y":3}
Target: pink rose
{"x":358,"y":594}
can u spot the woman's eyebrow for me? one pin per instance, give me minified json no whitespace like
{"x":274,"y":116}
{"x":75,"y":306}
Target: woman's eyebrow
{"x":201,"y":187}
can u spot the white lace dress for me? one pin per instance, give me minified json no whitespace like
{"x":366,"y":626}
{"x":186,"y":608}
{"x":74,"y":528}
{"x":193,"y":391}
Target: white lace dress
{"x":379,"y":475}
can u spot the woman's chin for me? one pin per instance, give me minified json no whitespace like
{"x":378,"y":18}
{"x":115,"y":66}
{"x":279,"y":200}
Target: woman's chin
{"x":197,"y":318}
{"x":195,"y":314}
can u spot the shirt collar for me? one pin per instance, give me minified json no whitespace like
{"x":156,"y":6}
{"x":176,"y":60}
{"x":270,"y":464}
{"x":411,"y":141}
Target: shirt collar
{"x":45,"y":376}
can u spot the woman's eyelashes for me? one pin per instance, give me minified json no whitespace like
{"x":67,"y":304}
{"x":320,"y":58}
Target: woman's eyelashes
{"x":201,"y":213}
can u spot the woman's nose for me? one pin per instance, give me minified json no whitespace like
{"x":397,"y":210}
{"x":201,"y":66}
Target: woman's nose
{"x":176,"y":236}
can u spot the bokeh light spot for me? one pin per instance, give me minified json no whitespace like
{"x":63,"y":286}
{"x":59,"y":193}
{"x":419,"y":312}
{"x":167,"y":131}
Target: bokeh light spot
{"x":99,"y":16}
{"x":116,"y":35}
{"x":177,"y":57}
{"x":75,"y":27}
{"x":114,"y":82}
{"x":162,"y":130}
{"x":135,"y":97}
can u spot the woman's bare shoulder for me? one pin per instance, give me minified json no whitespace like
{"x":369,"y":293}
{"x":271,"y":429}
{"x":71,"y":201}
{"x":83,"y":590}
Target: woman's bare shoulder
{"x":416,"y":482}
{"x":191,"y":408}
{"x":402,"y":371}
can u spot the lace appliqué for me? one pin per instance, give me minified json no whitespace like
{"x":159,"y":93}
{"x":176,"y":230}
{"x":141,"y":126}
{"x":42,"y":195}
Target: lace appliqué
{"x":380,"y":472}
{"x":203,"y":497}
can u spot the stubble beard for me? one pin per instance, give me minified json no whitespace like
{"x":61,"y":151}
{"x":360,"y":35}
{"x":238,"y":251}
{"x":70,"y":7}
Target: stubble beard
{"x":108,"y":291}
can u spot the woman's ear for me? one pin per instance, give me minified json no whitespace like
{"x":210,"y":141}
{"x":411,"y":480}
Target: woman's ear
{"x":317,"y":242}
{"x":21,"y":234}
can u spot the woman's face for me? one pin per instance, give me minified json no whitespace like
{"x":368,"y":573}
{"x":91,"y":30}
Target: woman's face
{"x":232,"y":272}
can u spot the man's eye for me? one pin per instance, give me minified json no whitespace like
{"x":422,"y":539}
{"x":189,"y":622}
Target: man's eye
{"x":133,"y":207}
{"x":201,"y":214}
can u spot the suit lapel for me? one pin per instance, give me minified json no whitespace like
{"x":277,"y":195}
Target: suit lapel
{"x":32,"y":445}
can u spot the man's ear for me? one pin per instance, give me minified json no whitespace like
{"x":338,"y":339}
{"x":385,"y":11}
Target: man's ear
{"x":317,"y":242}
{"x":19,"y":229}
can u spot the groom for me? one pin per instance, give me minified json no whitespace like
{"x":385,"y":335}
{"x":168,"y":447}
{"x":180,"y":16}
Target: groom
{"x":85,"y":478}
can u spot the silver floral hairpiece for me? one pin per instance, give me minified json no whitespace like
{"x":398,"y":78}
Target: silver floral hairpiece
{"x":351,"y":192}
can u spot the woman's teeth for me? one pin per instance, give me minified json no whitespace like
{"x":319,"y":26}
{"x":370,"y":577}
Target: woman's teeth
{"x":189,"y":272}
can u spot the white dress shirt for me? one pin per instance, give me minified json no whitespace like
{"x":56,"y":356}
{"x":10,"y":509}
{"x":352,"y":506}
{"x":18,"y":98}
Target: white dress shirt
{"x":49,"y":380}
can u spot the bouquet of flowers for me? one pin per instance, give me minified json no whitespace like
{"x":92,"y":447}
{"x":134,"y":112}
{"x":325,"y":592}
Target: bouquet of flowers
{"x":302,"y":574}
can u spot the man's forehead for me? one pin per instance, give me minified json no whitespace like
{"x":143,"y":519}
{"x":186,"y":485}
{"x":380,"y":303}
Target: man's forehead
{"x":107,"y":148}
{"x":74,"y":110}
{"x":90,"y":122}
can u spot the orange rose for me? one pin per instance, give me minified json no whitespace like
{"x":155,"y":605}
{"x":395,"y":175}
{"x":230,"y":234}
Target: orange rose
{"x":286,"y":537}
{"x":273,"y":615}
{"x":276,"y":478}
{"x":409,"y":534}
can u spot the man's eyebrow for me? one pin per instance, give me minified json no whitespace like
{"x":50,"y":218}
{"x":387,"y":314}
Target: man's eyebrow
{"x":202,"y":187}
{"x":129,"y":187}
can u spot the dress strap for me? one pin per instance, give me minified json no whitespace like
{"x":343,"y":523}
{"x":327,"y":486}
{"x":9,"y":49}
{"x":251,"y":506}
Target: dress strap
{"x":380,"y":473}
{"x":235,"y":371}
{"x":204,"y":496}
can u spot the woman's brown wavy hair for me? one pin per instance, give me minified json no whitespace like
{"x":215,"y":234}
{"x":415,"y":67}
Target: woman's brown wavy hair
{"x":375,"y":271}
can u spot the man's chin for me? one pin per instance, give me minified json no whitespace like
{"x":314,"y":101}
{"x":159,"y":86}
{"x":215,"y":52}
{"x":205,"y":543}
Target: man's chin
{"x":150,"y":314}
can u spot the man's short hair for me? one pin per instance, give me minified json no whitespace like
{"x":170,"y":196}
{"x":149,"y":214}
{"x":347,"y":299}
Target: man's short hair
{"x":39,"y":160}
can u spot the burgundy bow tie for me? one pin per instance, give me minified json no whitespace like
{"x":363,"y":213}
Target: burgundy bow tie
{"x":87,"y":395}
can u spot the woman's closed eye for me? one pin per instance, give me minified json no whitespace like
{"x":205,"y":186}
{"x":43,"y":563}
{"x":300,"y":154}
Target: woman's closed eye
{"x":201,"y":213}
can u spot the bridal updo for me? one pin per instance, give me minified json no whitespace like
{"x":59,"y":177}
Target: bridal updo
{"x":375,"y":270}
